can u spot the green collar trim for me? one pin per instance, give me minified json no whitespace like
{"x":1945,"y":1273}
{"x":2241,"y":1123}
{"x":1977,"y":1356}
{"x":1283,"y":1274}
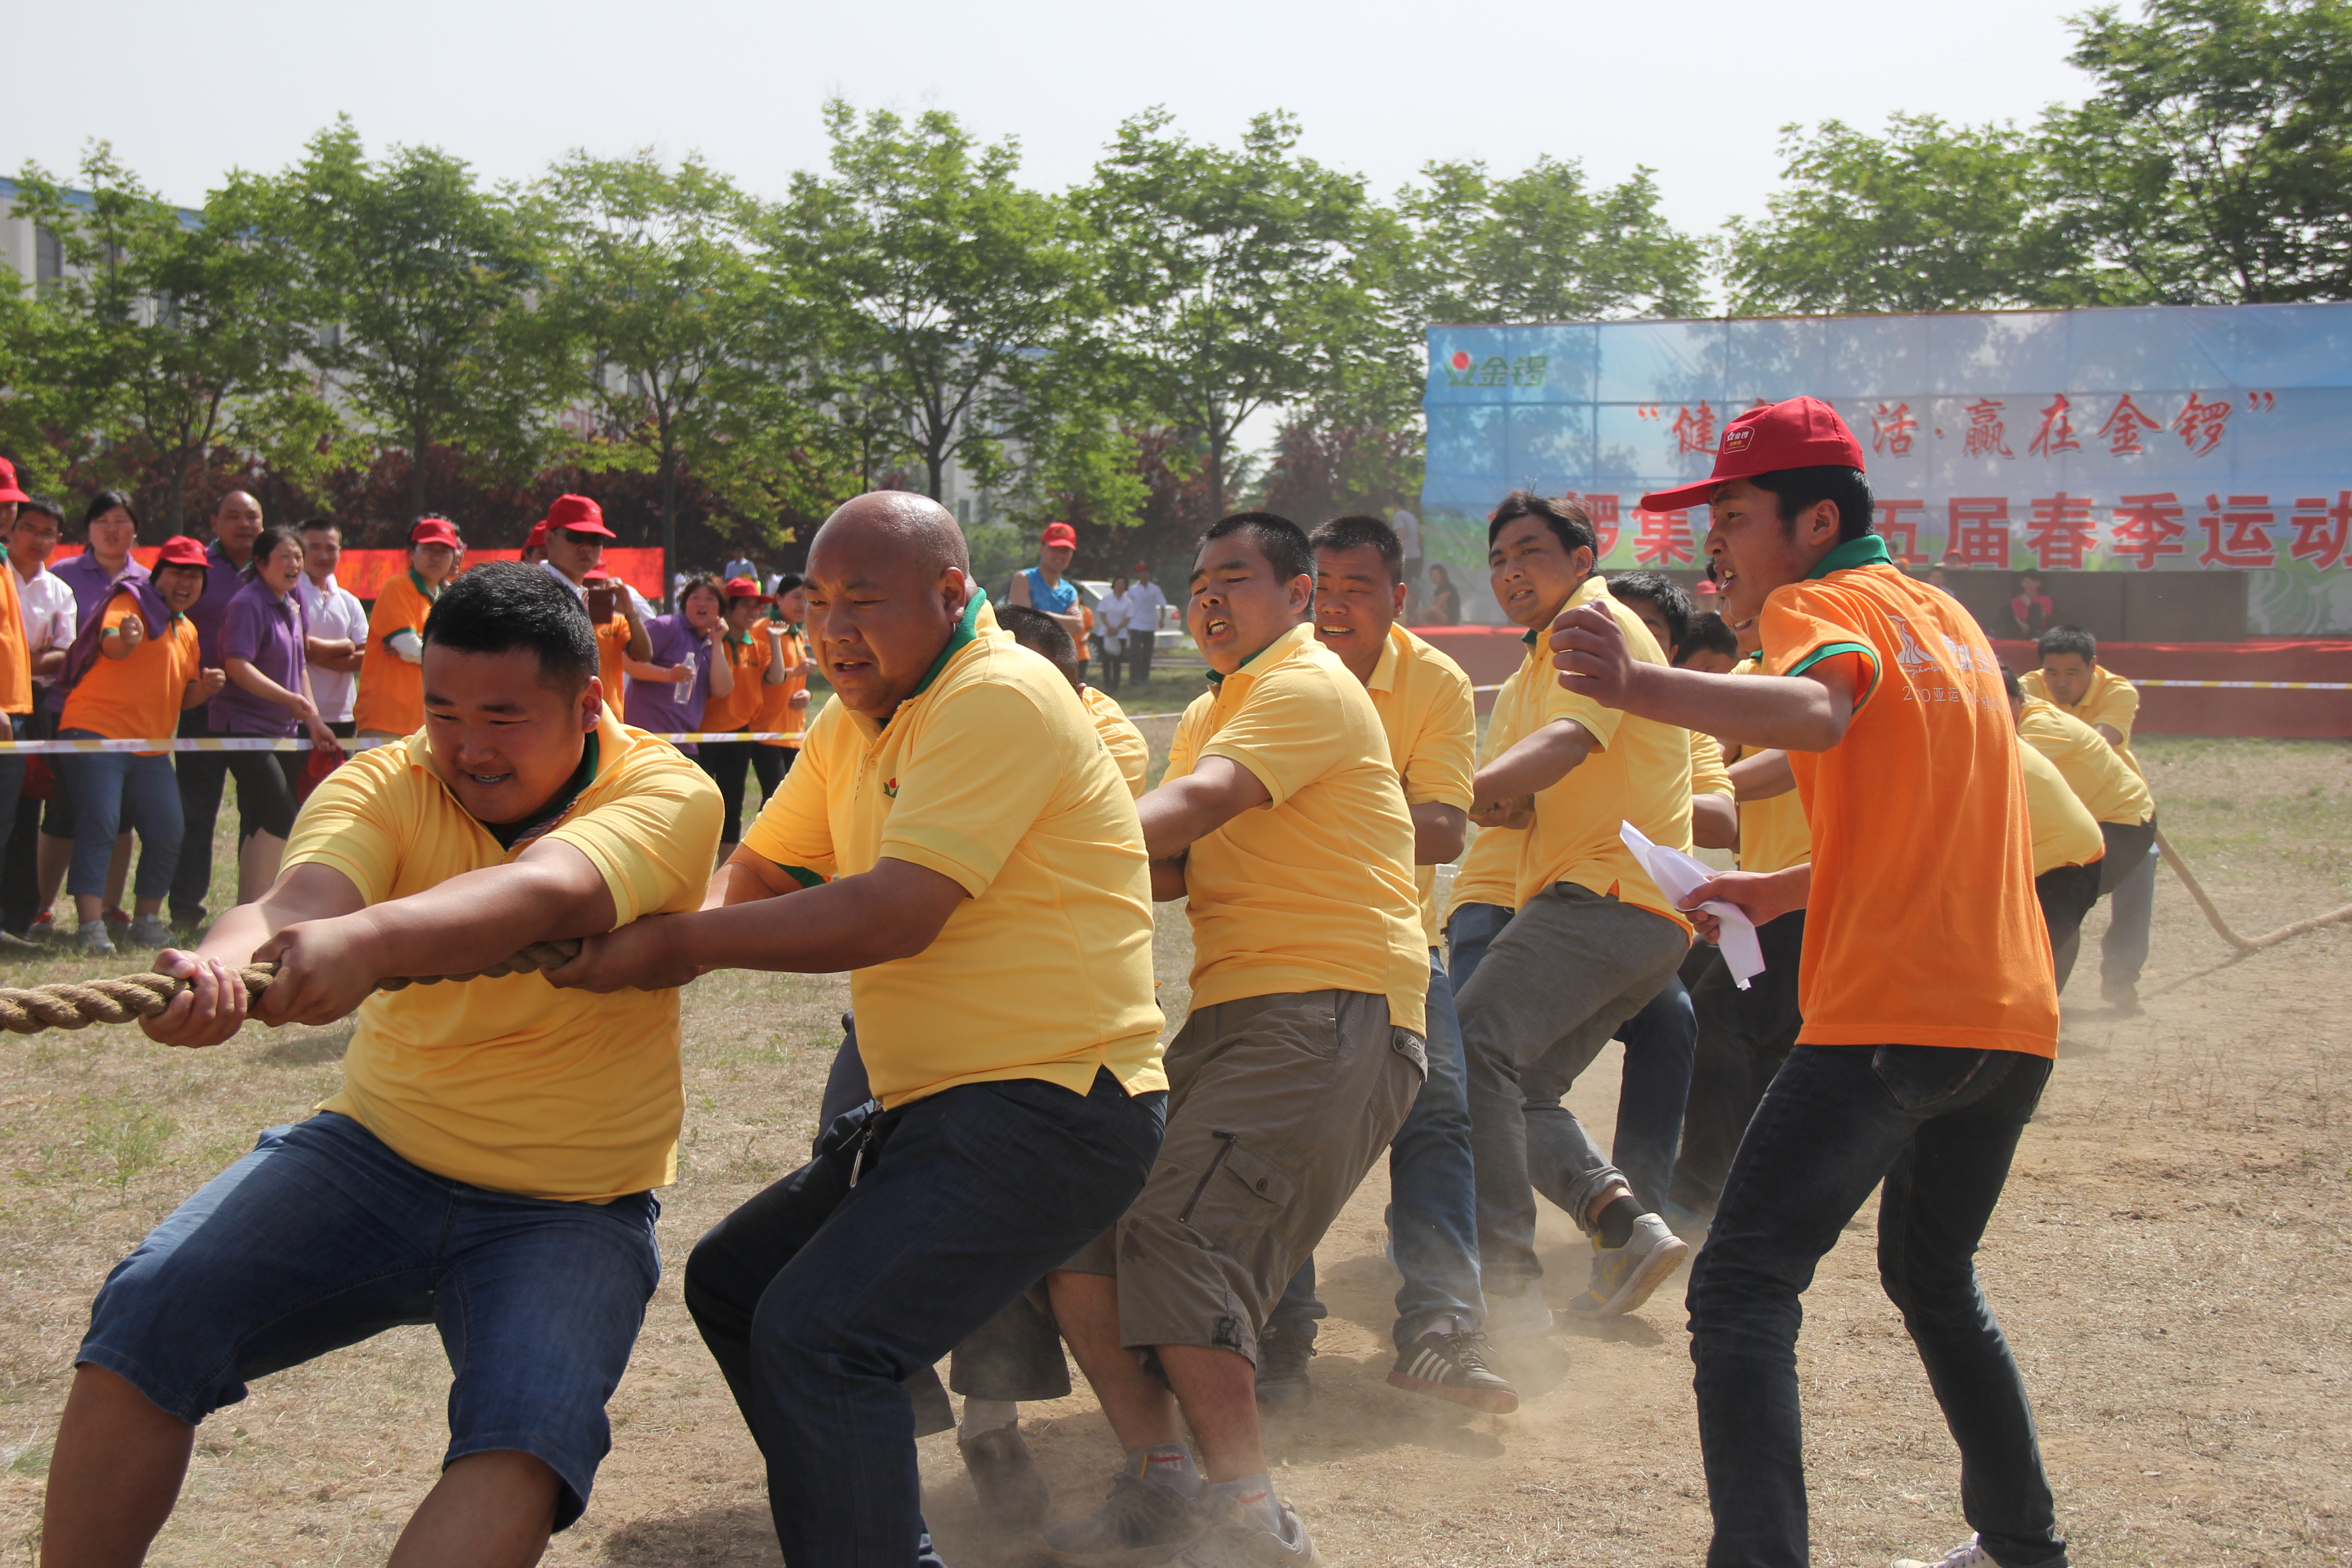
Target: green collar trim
{"x":1217,"y":681}
{"x":430,"y":593}
{"x":510,"y":834}
{"x":966,"y":629}
{"x":1869,"y":550}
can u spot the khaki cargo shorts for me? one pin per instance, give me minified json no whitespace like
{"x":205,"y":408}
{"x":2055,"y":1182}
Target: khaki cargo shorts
{"x":1277,"y":1107}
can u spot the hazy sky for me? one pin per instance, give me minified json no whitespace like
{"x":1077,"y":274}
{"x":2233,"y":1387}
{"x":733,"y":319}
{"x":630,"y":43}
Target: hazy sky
{"x":1697,"y":90}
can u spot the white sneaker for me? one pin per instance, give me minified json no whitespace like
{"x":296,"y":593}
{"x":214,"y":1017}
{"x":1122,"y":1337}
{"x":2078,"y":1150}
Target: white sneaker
{"x":1624,"y":1277}
{"x":1519,"y":1316}
{"x":1968,"y":1554}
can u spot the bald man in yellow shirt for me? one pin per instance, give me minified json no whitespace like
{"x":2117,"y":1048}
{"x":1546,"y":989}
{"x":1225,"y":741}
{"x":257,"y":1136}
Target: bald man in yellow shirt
{"x":955,"y":836}
{"x":488,"y":1165}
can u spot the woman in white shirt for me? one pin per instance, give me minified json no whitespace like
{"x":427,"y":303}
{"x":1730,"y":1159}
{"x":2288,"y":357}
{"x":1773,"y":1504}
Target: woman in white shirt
{"x":1111,"y":616}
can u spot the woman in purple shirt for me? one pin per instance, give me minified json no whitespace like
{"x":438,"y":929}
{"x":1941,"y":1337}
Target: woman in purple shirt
{"x":668,"y":690}
{"x":268,"y":694}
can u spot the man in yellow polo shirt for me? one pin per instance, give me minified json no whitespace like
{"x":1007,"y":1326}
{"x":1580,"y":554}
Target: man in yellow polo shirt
{"x":489,"y":1165}
{"x":2069,"y":850}
{"x":1282,"y":824}
{"x":1425,"y":707}
{"x":2073,"y":680}
{"x":2116,"y":798}
{"x":955,"y":835}
{"x":1591,"y":942}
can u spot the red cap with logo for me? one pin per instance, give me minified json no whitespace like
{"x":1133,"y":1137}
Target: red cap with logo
{"x":8,"y":491}
{"x":744,"y":588}
{"x":1802,"y":433}
{"x":435,"y":531}
{"x":1060,"y":533}
{"x":181,"y":550}
{"x":579,"y":515}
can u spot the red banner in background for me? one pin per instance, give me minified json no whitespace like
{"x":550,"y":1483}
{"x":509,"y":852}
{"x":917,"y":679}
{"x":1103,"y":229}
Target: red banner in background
{"x":366,"y":571}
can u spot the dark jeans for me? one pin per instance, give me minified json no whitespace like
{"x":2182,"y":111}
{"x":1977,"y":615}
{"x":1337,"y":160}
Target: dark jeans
{"x":264,"y":804}
{"x":909,"y":1230}
{"x":1433,"y":1199}
{"x":1659,"y":1045}
{"x":1138,"y":656}
{"x":12,"y":781}
{"x":1743,"y":1039}
{"x":2124,"y":951}
{"x":1112,"y":651}
{"x":1939,"y":1126}
{"x":2066,"y":894}
{"x":726,"y":761}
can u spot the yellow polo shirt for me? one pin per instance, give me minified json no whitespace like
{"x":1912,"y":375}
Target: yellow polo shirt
{"x":1313,"y":892}
{"x":2065,"y":831}
{"x":1489,"y":869}
{"x":993,"y":775}
{"x":1772,"y":832}
{"x":1638,"y":771}
{"x":510,"y":1084}
{"x":1120,"y":737}
{"x":2094,"y":770}
{"x":2110,"y":699}
{"x":1426,"y":711}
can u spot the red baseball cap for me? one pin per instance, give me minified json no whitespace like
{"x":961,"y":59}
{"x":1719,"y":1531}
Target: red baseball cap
{"x":1802,"y":433}
{"x":436,"y":531}
{"x":577,"y":513}
{"x":181,"y":550}
{"x":743,"y":588}
{"x":8,"y":491}
{"x":1060,"y":533}
{"x":537,"y":538}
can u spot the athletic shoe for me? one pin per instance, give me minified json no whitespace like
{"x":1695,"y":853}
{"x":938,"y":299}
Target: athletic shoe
{"x":190,"y":923}
{"x":117,"y":921}
{"x":45,"y":928}
{"x":92,"y":941}
{"x":1140,"y":1524}
{"x":1012,"y":1493}
{"x":1624,"y":1277}
{"x":1453,"y":1366}
{"x":148,"y":931}
{"x":2123,"y":997}
{"x":1282,"y":1354}
{"x":1519,"y":1316}
{"x":1236,"y":1539}
{"x":1968,"y":1554}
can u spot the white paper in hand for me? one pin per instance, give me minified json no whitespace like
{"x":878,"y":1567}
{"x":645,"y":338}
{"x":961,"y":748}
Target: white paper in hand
{"x":1678,"y":875}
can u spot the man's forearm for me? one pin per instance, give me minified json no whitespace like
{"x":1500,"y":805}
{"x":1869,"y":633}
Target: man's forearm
{"x":1796,"y":715}
{"x":1538,"y":761}
{"x":1175,"y":815}
{"x":481,"y":916}
{"x":852,"y":923}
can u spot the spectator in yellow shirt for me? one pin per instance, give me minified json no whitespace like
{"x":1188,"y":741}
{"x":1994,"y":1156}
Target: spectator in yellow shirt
{"x":489,"y":1165}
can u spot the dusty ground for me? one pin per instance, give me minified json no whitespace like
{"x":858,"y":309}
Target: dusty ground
{"x":2172,"y":1262}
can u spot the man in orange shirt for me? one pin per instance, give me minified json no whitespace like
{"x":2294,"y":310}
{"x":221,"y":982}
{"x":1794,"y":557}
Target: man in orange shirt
{"x":390,"y":699}
{"x":1930,"y":1011}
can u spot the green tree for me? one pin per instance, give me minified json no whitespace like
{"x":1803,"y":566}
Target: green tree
{"x":172,"y":333}
{"x":1542,"y":246}
{"x":2214,"y":164}
{"x":941,"y":277}
{"x":428,"y":279}
{"x":1929,"y":217}
{"x":1230,"y":275}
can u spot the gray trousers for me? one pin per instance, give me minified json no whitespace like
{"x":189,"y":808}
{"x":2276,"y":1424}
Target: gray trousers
{"x":1551,"y":990}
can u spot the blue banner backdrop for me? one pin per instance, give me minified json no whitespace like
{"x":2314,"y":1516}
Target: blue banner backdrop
{"x":2166,"y":438}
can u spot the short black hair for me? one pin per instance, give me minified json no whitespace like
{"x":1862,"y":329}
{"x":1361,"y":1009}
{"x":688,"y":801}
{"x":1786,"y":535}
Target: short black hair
{"x":105,"y":501}
{"x":1044,"y":635}
{"x":1671,"y":599}
{"x":1793,"y":490}
{"x":1282,"y":541}
{"x":2067,"y":639}
{"x":1355,"y":532}
{"x":1566,"y":515}
{"x":46,"y":506}
{"x":265,"y":545}
{"x":2009,"y":683}
{"x":1709,"y":632}
{"x":501,"y":606}
{"x":788,"y":581}
{"x":319,"y":526}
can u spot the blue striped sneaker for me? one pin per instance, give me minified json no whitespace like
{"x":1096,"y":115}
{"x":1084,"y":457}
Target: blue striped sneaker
{"x":1453,"y":1366}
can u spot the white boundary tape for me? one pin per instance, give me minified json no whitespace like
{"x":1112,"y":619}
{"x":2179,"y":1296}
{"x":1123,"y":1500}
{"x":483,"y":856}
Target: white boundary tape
{"x":2226,"y":685}
{"x":261,"y":743}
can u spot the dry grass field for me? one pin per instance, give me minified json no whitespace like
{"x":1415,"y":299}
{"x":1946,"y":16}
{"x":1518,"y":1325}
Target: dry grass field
{"x":2173,"y":1262}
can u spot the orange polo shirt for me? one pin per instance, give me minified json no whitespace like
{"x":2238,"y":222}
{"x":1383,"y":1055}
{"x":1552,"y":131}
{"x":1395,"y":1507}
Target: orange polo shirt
{"x":1922,"y":927}
{"x":777,"y":715}
{"x":747,"y":657}
{"x":138,"y":695}
{"x":390,"y":699}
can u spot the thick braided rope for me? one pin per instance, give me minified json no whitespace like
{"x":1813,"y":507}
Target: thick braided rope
{"x":75,"y":1005}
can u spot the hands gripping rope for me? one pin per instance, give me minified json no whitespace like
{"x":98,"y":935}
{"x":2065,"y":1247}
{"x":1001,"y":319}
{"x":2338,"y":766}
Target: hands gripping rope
{"x":75,"y":1005}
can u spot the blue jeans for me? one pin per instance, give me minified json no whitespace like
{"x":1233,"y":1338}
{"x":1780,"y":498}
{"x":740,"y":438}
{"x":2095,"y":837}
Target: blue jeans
{"x":11,"y":776}
{"x":1467,"y":936}
{"x":101,"y":784}
{"x":1939,"y":1125}
{"x":909,"y":1230}
{"x":1660,"y":1042}
{"x":322,"y":1236}
{"x":2123,"y":951}
{"x":1432,"y":1198}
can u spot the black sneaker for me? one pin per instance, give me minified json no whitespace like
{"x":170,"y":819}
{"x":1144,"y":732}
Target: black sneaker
{"x":1141,"y":1523}
{"x":1283,"y":1353}
{"x":1012,"y":1493}
{"x":1453,"y":1366}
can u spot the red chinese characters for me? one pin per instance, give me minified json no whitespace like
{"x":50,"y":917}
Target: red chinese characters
{"x":2057,"y":431}
{"x":1664,"y":539}
{"x":2150,"y":527}
{"x":2200,"y":425}
{"x":2321,"y":530}
{"x":1985,"y":435}
{"x":2124,"y":428}
{"x":1890,"y":430}
{"x":1695,"y":432}
{"x":2238,"y":535}
{"x":1603,"y":513}
{"x":1979,"y":530}
{"x":1901,"y":533}
{"x":2058,"y":531}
